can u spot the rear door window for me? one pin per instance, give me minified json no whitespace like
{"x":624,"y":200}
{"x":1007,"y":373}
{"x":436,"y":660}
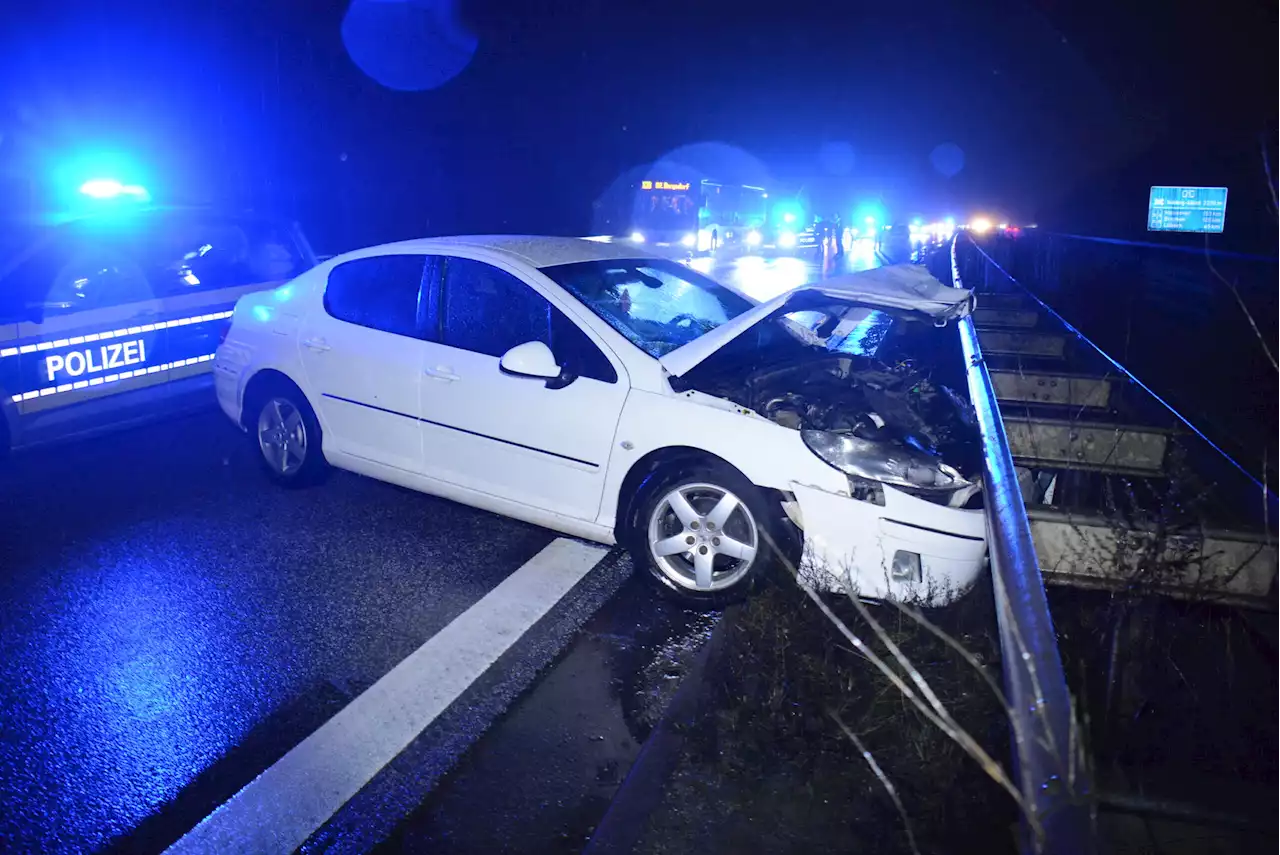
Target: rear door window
{"x":382,"y":292}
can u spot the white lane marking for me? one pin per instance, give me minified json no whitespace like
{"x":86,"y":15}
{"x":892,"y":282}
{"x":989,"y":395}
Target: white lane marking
{"x":286,"y":804}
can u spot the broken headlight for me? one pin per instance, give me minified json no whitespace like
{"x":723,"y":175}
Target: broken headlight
{"x":880,"y":461}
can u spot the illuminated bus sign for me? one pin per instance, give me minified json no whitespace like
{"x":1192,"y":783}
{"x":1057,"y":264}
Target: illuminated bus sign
{"x":1187,"y":209}
{"x":663,"y":185}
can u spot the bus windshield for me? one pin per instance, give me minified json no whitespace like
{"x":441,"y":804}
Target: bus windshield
{"x":666,"y":211}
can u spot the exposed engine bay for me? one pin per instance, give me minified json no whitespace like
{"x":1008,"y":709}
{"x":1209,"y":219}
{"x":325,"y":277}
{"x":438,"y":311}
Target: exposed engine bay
{"x":883,"y":381}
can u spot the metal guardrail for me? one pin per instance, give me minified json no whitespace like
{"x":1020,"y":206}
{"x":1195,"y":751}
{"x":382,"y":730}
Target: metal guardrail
{"x":1154,"y":293}
{"x":1048,"y":752}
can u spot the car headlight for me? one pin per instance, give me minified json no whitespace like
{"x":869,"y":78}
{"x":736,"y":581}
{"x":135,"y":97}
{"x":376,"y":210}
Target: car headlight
{"x":879,"y":461}
{"x":637,"y":237}
{"x":689,"y":240}
{"x":753,"y":238}
{"x":787,"y":239}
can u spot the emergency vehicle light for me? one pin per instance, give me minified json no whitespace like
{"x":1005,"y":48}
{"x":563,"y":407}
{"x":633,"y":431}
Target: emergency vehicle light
{"x":109,"y":188}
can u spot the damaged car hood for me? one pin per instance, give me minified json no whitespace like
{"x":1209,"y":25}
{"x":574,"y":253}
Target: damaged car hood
{"x":899,"y":286}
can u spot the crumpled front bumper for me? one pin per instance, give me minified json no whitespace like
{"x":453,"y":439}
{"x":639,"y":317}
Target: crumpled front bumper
{"x":908,"y":549}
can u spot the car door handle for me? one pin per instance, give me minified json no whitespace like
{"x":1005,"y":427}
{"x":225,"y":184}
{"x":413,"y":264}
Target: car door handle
{"x":317,"y":344}
{"x":442,"y":372}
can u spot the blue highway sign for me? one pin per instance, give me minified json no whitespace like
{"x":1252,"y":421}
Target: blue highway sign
{"x":1187,"y":209}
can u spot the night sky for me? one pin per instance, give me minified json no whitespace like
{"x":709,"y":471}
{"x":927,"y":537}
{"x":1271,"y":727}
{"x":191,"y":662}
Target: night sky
{"x":524,"y":112}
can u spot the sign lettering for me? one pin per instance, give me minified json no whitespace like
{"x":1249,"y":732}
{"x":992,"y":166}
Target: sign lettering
{"x":664,"y":185}
{"x":117,"y":354}
{"x":1187,"y":209}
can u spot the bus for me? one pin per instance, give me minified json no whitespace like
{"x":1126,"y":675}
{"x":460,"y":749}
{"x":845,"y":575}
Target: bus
{"x":738,"y":213}
{"x":698,"y":215}
{"x":666,"y":213}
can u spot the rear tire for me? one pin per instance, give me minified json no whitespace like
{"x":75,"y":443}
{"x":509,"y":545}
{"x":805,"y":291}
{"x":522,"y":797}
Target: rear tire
{"x":286,"y":435}
{"x":705,"y":535}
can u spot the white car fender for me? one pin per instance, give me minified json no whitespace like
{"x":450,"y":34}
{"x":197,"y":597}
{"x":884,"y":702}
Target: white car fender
{"x":768,"y":454}
{"x":263,"y":336}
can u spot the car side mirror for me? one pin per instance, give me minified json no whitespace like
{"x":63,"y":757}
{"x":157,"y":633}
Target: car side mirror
{"x":534,"y":360}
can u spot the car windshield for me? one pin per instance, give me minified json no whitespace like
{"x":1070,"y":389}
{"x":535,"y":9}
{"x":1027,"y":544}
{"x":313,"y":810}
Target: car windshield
{"x":658,"y":305}
{"x":811,"y":323}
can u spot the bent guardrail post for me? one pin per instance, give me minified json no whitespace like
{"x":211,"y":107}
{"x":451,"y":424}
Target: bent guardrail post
{"x":1047,"y":749}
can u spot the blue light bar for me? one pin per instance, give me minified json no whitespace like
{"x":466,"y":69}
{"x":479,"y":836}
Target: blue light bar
{"x":109,"y":188}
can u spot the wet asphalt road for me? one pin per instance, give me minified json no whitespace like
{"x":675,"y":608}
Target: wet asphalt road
{"x":160,"y":601}
{"x":173,"y":624}
{"x":765,"y":276}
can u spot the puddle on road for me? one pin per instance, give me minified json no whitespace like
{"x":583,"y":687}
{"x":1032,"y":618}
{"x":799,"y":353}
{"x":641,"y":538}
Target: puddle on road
{"x":656,"y":670}
{"x":548,"y":769}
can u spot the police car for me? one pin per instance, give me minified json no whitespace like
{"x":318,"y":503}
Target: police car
{"x":107,"y":318}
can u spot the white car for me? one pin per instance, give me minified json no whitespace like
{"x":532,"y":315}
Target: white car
{"x":625,"y":398}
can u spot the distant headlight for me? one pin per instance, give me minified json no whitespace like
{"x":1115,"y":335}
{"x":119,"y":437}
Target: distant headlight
{"x":689,"y":240}
{"x":753,"y":238}
{"x":878,"y":461}
{"x":637,"y":237}
{"x":787,"y":240}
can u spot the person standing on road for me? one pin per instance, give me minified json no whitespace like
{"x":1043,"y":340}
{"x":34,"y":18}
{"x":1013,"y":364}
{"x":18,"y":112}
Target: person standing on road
{"x":837,"y":232}
{"x":715,"y":239}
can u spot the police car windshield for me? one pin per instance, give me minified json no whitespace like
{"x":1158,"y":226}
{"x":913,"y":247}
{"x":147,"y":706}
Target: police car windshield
{"x":658,"y":305}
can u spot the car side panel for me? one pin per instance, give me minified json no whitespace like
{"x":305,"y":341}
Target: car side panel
{"x":768,"y":454}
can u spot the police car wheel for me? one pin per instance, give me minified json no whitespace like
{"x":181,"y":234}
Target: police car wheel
{"x":288,"y":438}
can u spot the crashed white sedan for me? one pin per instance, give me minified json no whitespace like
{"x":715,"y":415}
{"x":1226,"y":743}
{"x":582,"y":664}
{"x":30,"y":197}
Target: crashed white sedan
{"x":621,"y":398}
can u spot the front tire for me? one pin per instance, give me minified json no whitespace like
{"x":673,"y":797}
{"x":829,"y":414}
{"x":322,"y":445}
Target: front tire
{"x":287,"y":436}
{"x":705,"y":536}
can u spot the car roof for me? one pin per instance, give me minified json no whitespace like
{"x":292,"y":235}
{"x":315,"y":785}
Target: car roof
{"x":535,"y":250}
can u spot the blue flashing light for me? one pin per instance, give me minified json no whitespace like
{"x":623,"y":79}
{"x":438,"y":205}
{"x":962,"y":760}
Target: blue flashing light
{"x":109,"y":188}
{"x":101,"y":188}
{"x":786,"y":211}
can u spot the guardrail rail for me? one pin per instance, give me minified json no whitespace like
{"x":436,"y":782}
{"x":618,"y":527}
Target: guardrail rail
{"x":1048,"y":753}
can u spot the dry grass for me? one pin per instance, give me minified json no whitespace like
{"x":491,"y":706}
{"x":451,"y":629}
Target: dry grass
{"x":788,"y":684}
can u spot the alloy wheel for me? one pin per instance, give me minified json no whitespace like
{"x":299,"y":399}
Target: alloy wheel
{"x":702,"y":537}
{"x":282,"y":436}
